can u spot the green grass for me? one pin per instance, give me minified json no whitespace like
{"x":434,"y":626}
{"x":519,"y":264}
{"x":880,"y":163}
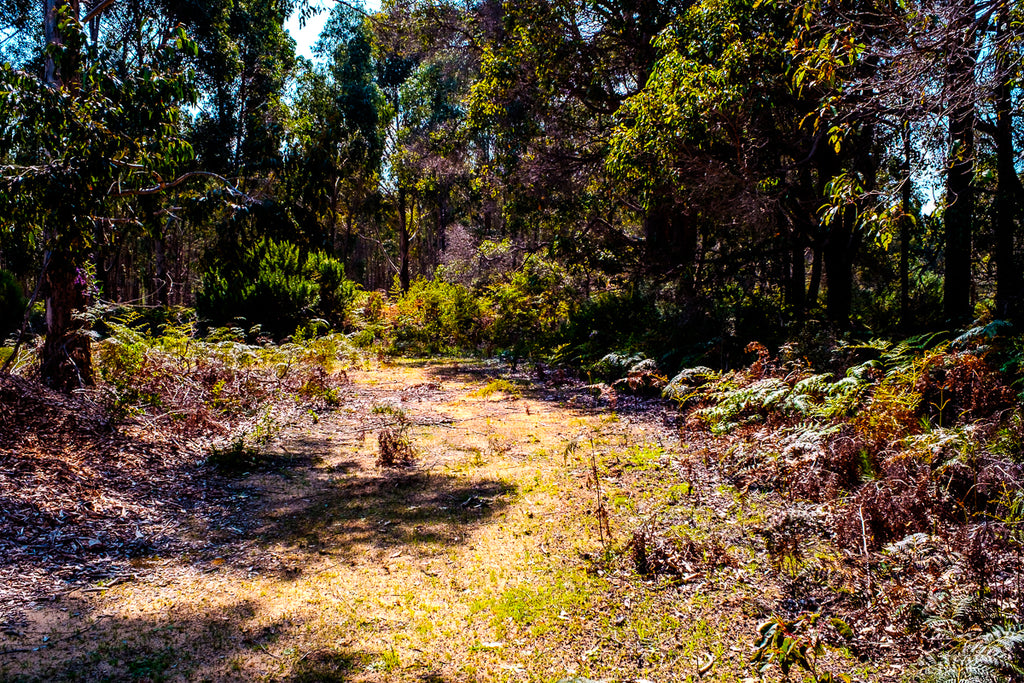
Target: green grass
{"x":498,"y":386}
{"x":646,"y":457}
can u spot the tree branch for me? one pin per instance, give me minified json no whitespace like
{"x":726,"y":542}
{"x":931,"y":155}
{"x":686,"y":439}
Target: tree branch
{"x":162,"y":186}
{"x":99,"y":9}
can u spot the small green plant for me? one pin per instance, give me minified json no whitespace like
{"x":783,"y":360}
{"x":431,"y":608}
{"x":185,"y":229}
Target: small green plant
{"x":789,"y":644}
{"x":679,"y":492}
{"x":389,"y":660}
{"x":644,"y":457}
{"x":498,"y":386}
{"x":266,"y":428}
{"x":317,"y":387}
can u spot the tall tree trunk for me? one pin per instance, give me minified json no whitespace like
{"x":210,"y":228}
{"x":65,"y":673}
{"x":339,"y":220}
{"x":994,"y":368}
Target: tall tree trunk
{"x":159,"y":285}
{"x":837,"y":250}
{"x":335,"y":198}
{"x":906,"y":219}
{"x":797,"y":278}
{"x":1008,"y":281}
{"x":838,"y":253}
{"x":814,"y":286}
{"x":403,"y":241}
{"x":959,"y":216}
{"x":347,"y":248}
{"x":65,"y":358}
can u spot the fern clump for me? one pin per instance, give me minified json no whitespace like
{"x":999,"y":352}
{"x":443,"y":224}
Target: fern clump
{"x":995,"y":656}
{"x":688,"y":382}
{"x":750,"y":403}
{"x":819,"y":396}
{"x":614,"y":366}
{"x":816,"y":396}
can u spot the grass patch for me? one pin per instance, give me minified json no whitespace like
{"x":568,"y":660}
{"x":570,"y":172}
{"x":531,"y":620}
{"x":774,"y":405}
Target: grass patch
{"x":645,"y":457}
{"x":498,"y":386}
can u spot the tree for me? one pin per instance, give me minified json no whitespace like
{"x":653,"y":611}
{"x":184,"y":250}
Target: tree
{"x":334,"y":163}
{"x":78,"y":140}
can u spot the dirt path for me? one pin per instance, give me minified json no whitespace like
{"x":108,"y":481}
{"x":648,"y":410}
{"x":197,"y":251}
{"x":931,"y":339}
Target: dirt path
{"x":488,"y":560}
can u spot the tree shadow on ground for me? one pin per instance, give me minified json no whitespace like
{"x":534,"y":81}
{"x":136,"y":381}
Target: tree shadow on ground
{"x":387,"y":510}
{"x":558,"y":387}
{"x":225,"y":643}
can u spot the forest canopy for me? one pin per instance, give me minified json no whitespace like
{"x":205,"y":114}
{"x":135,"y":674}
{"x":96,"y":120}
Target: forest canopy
{"x":548,"y":179}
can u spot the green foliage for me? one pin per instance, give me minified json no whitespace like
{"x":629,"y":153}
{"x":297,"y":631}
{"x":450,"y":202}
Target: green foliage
{"x":336,"y":292}
{"x":91,"y":144}
{"x":789,"y":644}
{"x":498,"y":386}
{"x":996,"y":655}
{"x":121,"y":359}
{"x":750,"y":403}
{"x":195,"y":386}
{"x":528,"y":308}
{"x":819,"y":396}
{"x":12,"y":303}
{"x":687,"y":383}
{"x":985,"y":649}
{"x":275,"y":286}
{"x":614,"y":366}
{"x":611,"y":320}
{"x":437,"y":317}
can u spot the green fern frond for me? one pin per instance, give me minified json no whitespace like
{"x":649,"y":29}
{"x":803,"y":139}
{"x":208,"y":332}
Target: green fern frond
{"x":992,"y":657}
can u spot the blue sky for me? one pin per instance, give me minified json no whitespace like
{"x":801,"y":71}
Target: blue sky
{"x":307,"y":35}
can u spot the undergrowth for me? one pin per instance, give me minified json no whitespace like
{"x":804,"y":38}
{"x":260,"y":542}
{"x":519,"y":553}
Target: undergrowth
{"x":219,"y":387}
{"x":909,"y":463}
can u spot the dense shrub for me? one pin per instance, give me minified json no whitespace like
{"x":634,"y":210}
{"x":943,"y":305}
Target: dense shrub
{"x":614,"y":320}
{"x":437,"y":317}
{"x":337,"y":293}
{"x":529,"y":308}
{"x":276,"y":286}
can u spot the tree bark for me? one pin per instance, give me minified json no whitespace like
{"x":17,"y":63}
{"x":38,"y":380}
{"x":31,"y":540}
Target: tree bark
{"x":1008,"y":281}
{"x":959,"y":216}
{"x":65,"y":358}
{"x":905,"y":224}
{"x":838,"y":253}
{"x":403,"y":241}
{"x":797,"y":278}
{"x":814,"y":286}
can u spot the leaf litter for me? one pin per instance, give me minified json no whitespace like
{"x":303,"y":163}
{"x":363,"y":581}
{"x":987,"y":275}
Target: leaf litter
{"x":533,"y":537}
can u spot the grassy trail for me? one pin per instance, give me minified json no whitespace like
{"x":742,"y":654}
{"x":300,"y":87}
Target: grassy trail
{"x":490,"y":559}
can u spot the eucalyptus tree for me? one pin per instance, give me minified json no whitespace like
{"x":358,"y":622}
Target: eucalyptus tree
{"x":722,"y":126}
{"x":334,"y":162}
{"x":942,"y":82}
{"x":244,"y":60}
{"x":427,"y":59}
{"x":78,"y":138}
{"x":552,"y":79}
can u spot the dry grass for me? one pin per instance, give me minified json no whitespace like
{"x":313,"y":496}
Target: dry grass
{"x":481,"y":562}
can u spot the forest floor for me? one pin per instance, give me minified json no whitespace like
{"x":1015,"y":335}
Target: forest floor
{"x":506,"y":551}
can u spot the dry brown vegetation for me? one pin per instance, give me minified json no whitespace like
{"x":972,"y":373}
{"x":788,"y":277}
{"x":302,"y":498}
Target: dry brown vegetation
{"x":456,"y":522}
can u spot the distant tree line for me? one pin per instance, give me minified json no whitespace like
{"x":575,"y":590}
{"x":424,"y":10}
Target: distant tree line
{"x":755,"y":166}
